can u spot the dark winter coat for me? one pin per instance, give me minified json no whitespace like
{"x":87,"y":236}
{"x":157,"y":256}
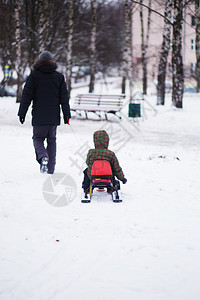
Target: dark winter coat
{"x":46,"y":89}
{"x":101,"y":152}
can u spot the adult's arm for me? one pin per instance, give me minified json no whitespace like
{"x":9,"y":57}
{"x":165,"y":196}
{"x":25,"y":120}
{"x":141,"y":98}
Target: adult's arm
{"x":27,"y":96}
{"x":64,"y":99}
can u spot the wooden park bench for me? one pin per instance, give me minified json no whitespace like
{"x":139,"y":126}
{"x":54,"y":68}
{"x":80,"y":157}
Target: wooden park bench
{"x":97,"y":104}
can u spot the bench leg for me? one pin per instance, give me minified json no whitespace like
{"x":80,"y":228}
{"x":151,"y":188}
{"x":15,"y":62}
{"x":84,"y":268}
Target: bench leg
{"x":119,"y":116}
{"x":97,"y":114}
{"x":78,"y":113}
{"x":115,"y":113}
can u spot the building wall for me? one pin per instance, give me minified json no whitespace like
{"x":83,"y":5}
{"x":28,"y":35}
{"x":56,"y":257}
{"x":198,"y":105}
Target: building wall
{"x":189,"y":55}
{"x":155,"y":41}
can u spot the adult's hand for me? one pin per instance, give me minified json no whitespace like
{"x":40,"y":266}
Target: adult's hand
{"x":22,"y":119}
{"x":66,"y":120}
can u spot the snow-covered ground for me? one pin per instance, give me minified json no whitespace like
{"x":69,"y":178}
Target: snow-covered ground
{"x":146,"y":248}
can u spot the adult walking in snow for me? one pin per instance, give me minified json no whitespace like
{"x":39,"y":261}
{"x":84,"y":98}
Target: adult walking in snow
{"x":46,"y":89}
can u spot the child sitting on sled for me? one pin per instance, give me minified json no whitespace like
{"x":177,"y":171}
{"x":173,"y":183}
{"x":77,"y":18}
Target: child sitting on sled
{"x":101,"y":152}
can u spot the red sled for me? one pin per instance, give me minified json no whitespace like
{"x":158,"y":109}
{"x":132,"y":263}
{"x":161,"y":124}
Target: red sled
{"x":103,"y":179}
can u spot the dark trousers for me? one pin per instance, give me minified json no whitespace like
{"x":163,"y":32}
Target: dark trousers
{"x":86,"y":181}
{"x":40,"y":134}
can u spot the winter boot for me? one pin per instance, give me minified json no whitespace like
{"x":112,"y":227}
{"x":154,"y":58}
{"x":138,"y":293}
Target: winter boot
{"x":43,"y":165}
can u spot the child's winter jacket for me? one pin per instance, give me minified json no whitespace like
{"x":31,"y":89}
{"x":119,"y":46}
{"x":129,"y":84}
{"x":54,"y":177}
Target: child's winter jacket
{"x":101,"y":152}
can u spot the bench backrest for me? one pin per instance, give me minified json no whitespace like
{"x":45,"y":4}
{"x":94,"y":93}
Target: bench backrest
{"x":101,"y":100}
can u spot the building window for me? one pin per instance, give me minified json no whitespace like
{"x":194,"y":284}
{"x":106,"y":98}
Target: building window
{"x":193,"y":68}
{"x":170,"y":68}
{"x":192,"y":44}
{"x":193,"y":21}
{"x":171,"y":46}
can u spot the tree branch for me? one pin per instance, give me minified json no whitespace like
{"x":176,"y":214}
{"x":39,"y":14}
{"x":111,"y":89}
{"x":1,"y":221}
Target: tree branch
{"x":155,"y":11}
{"x":187,"y":3}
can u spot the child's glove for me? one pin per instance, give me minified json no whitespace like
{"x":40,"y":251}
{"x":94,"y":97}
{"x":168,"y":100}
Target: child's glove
{"x":66,"y":120}
{"x":124,"y":180}
{"x":22,"y":119}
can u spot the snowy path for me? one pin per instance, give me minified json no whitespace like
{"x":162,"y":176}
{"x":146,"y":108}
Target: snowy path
{"x":146,"y":248}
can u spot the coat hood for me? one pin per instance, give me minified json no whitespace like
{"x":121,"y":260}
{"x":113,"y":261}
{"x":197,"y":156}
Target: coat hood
{"x":101,"y":139}
{"x":45,"y":65}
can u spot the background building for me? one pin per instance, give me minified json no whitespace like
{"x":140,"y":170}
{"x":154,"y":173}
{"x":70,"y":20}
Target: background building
{"x":155,"y":41}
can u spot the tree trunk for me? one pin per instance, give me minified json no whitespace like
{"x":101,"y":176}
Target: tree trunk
{"x":129,"y":46}
{"x":5,"y":42}
{"x":93,"y":46}
{"x":164,"y":54}
{"x":127,"y":63}
{"x":123,"y":84}
{"x":145,"y":44}
{"x":177,"y":61}
{"x":43,"y":12}
{"x":197,"y":22}
{"x":69,"y":46}
{"x":18,"y":50}
{"x":125,"y":52}
{"x":31,"y":30}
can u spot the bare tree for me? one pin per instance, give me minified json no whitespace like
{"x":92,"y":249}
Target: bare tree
{"x":164,"y":53}
{"x":7,"y":39}
{"x":197,"y":23}
{"x":43,"y":12}
{"x":125,"y":51}
{"x":31,"y":30}
{"x":17,"y":7}
{"x":130,"y":56}
{"x":177,"y":60}
{"x":145,"y":43}
{"x":127,"y":63}
{"x":69,"y":45}
{"x":109,"y":46}
{"x":93,"y":46}
{"x":41,"y":28}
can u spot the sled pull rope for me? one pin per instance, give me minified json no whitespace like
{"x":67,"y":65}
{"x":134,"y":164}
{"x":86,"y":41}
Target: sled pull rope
{"x":75,"y":136}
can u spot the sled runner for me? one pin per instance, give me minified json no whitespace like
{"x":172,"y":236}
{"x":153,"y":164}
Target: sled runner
{"x":102,"y":180}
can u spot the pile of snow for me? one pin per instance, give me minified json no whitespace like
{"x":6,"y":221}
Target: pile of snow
{"x":146,"y":248}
